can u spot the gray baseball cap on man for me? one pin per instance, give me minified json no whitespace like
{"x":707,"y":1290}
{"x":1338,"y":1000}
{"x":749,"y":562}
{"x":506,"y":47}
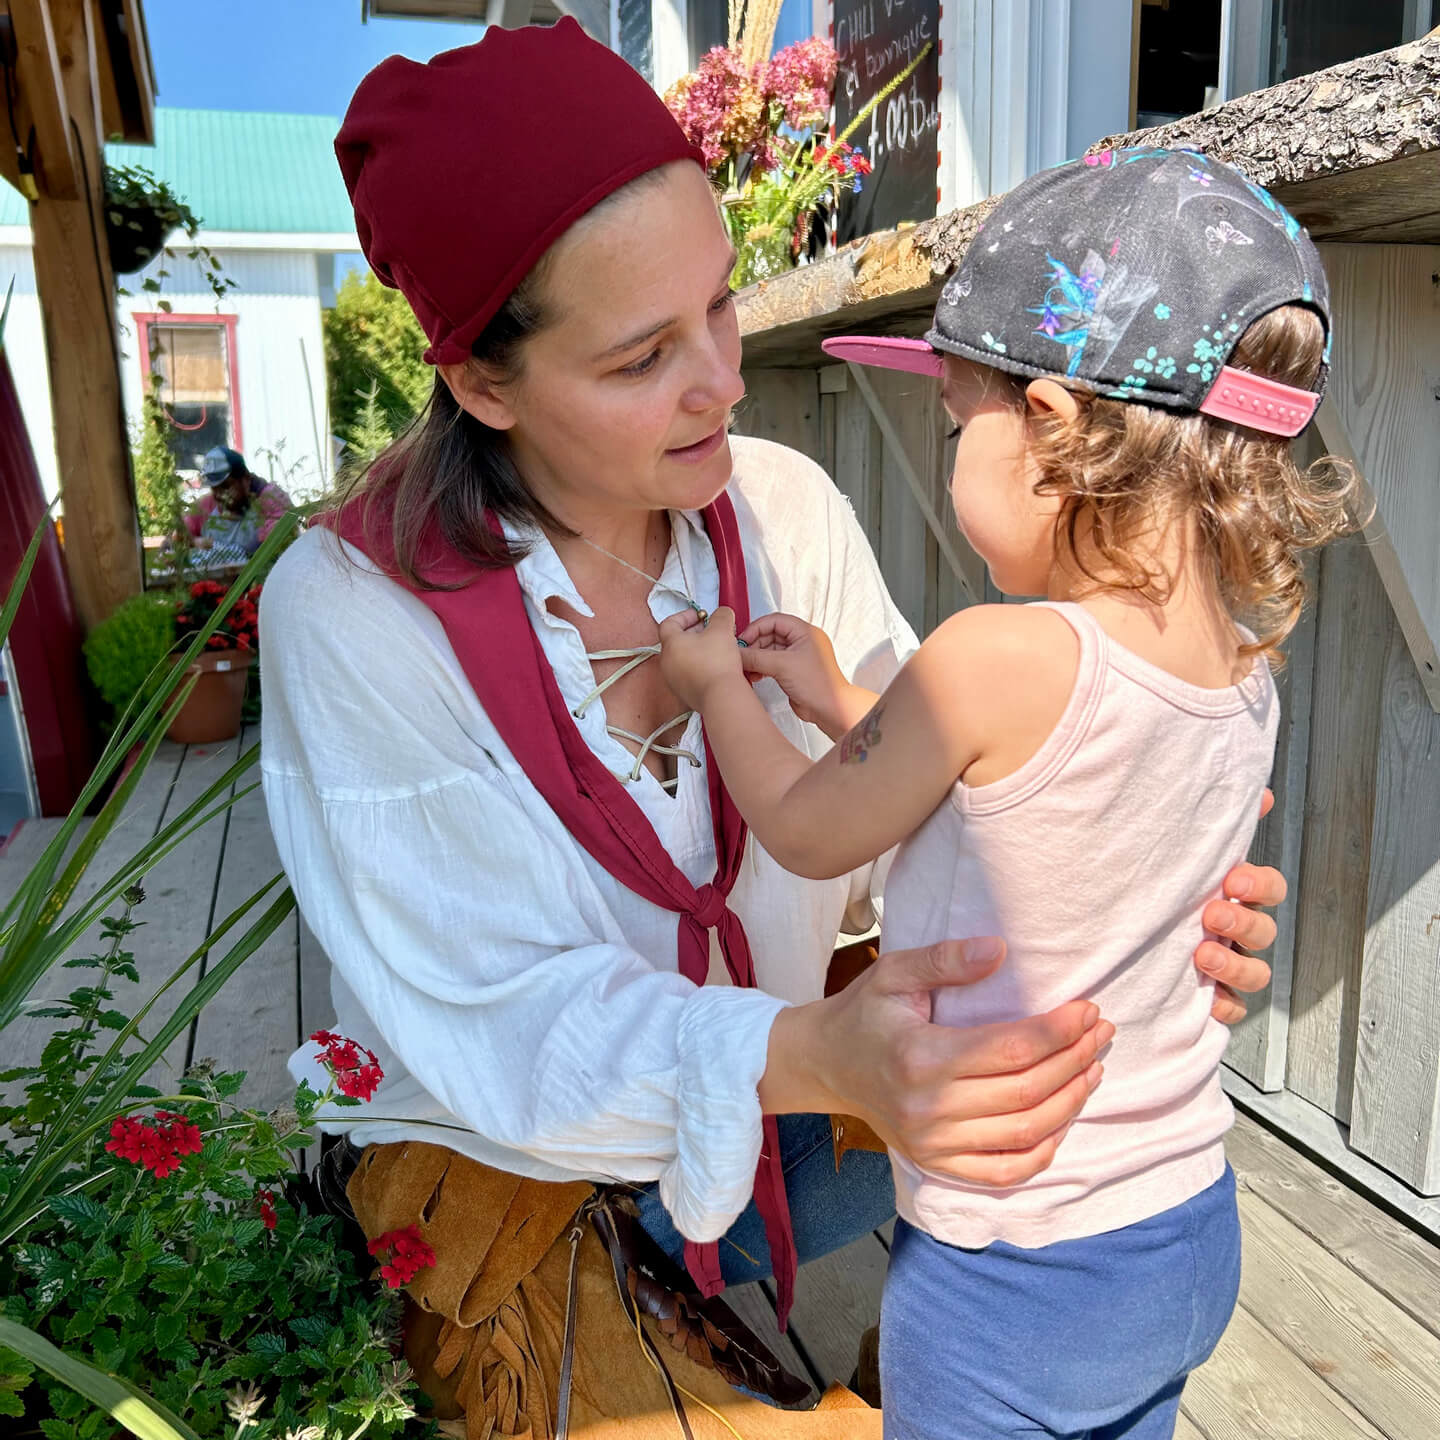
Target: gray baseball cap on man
{"x":222,"y":464}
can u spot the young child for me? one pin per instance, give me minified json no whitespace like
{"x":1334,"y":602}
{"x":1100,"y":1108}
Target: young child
{"x":1102,"y":349}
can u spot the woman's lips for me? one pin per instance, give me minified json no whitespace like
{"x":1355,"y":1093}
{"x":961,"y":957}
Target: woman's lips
{"x":701,"y":450}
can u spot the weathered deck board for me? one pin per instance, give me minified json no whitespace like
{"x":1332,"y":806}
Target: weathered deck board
{"x":1254,"y":1388}
{"x":1383,"y":1362}
{"x":253,"y":1026}
{"x":1397,"y":1262}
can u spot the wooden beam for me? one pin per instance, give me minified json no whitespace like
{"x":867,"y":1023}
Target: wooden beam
{"x":1395,"y":1114}
{"x":77,"y":305}
{"x":42,"y":96}
{"x":1381,"y":413}
{"x":1258,"y":1045}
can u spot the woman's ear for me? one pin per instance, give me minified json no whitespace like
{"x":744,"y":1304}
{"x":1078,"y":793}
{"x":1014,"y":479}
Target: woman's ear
{"x":1049,"y":397}
{"x":478,"y":394}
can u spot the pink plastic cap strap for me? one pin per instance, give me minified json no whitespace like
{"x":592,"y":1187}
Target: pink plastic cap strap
{"x":1258,"y":403}
{"x":917,"y":357}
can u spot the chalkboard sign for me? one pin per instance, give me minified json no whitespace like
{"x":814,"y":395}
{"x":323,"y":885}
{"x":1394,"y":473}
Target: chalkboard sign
{"x":876,"y":40}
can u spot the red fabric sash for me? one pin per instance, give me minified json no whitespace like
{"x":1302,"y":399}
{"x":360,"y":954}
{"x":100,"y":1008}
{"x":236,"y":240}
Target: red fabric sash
{"x":490,"y":632}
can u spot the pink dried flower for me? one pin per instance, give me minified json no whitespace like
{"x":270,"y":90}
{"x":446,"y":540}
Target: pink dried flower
{"x":800,"y":79}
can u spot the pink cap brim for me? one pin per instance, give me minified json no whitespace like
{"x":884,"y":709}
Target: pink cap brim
{"x":917,"y":357}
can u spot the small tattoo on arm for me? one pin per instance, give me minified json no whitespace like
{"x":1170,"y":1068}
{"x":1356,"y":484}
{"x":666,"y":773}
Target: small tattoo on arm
{"x":862,"y":739}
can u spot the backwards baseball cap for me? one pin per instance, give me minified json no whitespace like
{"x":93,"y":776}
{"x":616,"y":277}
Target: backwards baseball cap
{"x":220,"y":464}
{"x":1136,"y":272}
{"x":465,"y":170}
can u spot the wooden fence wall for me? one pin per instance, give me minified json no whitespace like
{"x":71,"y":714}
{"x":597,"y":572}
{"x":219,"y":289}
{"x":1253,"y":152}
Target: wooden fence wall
{"x":1351,"y":1023}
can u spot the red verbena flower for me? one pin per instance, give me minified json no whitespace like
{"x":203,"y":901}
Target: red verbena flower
{"x":159,"y":1145}
{"x":405,"y":1253}
{"x":266,"y":1200}
{"x":357,"y":1078}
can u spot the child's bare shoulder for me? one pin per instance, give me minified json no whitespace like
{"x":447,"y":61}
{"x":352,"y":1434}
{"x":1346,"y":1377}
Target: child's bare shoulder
{"x":1010,"y":669}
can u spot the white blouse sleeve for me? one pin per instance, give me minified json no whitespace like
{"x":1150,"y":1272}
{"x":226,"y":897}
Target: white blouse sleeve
{"x":486,"y":956}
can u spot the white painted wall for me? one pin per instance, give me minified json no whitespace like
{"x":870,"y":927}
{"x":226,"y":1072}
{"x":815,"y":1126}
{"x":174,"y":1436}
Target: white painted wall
{"x":277,"y":307}
{"x":1099,"y":99}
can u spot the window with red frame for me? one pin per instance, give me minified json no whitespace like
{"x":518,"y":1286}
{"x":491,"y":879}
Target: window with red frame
{"x":193,"y":365}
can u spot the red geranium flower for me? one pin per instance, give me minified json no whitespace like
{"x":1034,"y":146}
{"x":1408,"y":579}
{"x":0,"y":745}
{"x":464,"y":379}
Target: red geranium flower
{"x":406,"y":1254}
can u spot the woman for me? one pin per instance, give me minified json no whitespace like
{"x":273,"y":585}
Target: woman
{"x":491,"y":808}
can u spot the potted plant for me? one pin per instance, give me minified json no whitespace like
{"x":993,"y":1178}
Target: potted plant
{"x":141,"y":213}
{"x":213,"y":710}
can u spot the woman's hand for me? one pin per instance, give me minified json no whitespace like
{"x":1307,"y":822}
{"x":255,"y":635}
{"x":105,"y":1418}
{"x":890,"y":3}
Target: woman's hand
{"x":1239,"y":920}
{"x":696,"y":655}
{"x":799,"y":657}
{"x":987,"y":1105}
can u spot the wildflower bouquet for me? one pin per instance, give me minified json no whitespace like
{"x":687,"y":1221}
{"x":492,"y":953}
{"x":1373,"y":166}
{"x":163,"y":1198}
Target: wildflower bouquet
{"x":759,"y":124}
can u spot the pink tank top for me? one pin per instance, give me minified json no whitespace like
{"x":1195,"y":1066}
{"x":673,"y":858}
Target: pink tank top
{"x":1094,"y":861}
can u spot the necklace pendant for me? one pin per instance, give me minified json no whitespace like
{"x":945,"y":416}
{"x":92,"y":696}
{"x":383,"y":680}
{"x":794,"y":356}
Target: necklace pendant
{"x":703,"y":614}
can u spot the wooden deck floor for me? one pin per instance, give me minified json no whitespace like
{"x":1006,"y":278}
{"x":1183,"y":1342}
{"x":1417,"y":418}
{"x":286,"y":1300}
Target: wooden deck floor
{"x":1338,"y":1330}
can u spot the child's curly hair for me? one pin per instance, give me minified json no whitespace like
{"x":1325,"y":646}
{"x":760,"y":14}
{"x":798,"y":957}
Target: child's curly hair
{"x":1119,"y":467}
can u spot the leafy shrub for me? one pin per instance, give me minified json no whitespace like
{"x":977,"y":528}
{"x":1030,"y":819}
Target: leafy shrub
{"x":122,"y":650}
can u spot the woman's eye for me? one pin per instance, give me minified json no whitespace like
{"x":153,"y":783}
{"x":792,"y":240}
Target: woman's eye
{"x":641,"y":367}
{"x":724,"y":300}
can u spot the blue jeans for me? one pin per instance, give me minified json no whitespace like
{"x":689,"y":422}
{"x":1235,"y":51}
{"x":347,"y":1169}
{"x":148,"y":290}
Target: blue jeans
{"x":1088,"y":1339}
{"x":828,"y":1208}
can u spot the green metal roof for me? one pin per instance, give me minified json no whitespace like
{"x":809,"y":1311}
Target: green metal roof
{"x":238,"y":170}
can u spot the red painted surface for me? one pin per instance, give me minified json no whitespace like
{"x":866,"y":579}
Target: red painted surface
{"x":45,"y":640}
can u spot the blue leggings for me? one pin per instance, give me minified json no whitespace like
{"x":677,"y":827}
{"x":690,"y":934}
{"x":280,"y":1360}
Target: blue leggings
{"x":1087,"y":1339}
{"x":828,"y":1209}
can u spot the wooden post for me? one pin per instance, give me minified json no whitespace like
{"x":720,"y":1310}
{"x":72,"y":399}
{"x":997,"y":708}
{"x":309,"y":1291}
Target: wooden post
{"x":77,"y":304}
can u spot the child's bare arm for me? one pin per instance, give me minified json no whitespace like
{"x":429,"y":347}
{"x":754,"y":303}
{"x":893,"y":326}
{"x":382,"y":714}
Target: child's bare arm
{"x":990,"y":682}
{"x":798,"y":656}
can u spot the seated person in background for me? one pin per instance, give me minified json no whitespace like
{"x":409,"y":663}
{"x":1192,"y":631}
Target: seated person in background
{"x":239,"y":512}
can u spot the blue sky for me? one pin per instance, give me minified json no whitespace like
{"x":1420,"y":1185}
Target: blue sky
{"x":302,"y":56}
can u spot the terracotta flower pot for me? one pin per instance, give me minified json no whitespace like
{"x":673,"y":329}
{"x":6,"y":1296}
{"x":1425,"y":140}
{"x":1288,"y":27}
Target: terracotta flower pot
{"x":213,"y":710}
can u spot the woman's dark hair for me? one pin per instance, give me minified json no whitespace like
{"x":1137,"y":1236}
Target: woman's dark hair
{"x":449,"y":469}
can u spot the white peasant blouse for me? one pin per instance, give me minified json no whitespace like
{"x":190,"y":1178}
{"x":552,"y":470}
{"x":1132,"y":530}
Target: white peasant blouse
{"x":519,"y":997}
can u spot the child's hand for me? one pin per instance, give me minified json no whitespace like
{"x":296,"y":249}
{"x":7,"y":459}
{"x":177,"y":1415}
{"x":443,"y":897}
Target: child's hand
{"x":694,"y":657}
{"x":800,"y":659}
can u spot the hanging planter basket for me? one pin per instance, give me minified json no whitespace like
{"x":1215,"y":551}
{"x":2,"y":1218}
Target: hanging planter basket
{"x":212,"y":711}
{"x":135,"y":235}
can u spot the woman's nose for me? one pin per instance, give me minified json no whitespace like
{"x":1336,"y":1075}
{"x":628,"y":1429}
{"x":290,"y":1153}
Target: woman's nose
{"x":719,"y":386}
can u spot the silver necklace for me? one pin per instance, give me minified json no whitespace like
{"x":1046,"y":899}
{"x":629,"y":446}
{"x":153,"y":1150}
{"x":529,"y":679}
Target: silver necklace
{"x":684,"y":595}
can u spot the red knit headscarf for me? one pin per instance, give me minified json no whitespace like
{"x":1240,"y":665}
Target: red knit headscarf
{"x":464,"y":171}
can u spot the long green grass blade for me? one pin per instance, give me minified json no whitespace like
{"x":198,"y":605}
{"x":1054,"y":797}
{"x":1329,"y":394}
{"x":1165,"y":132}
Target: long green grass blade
{"x":38,"y":902}
{"x":26,"y":958}
{"x":42,"y":1164}
{"x":22,"y":577}
{"x":122,"y":1401}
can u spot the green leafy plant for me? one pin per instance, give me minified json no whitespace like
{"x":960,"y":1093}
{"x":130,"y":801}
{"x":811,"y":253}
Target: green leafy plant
{"x":57,"y":1161}
{"x":178,"y":1253}
{"x":141,"y":213}
{"x":125,"y":651}
{"x":159,"y":491}
{"x":374,"y":356}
